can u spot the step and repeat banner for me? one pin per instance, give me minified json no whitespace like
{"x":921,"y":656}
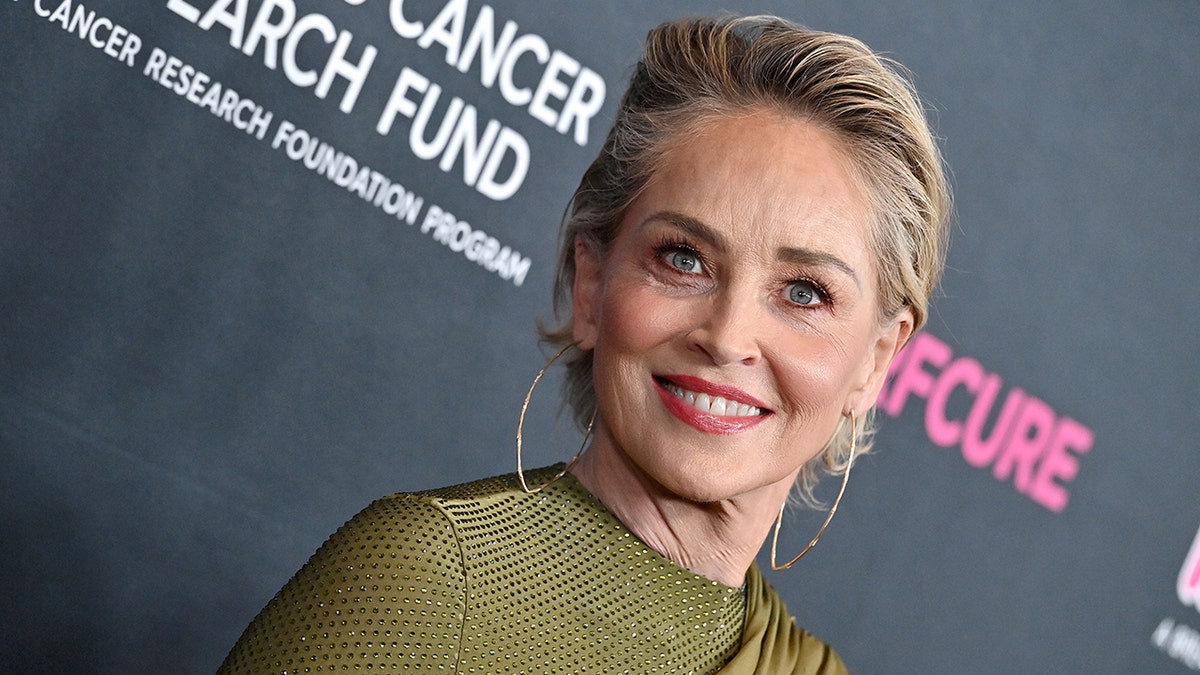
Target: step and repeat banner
{"x":264,"y":261}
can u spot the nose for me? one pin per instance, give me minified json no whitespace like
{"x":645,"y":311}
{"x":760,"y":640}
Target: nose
{"x":728,"y":329}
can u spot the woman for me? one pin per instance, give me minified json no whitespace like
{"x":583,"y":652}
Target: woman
{"x":757,"y":239}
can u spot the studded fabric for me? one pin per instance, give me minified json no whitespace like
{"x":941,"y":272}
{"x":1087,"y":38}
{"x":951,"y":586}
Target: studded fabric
{"x":484,"y":578}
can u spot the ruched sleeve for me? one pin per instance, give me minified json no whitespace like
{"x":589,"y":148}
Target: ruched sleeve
{"x":772,"y":643}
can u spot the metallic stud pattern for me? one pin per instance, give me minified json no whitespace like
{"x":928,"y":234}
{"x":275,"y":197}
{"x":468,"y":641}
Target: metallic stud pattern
{"x":484,"y":578}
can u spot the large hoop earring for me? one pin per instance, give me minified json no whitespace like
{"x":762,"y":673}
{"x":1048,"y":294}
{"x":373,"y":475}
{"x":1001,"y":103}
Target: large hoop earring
{"x":521,"y":423}
{"x":832,"y":510}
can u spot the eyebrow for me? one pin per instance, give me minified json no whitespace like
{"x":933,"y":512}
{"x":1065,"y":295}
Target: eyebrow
{"x":807,"y":256}
{"x":692,"y":226}
{"x":789,"y":254}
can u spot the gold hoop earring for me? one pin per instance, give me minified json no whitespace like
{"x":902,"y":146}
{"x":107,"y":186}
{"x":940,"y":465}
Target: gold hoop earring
{"x":832,"y":510}
{"x":521,"y":423}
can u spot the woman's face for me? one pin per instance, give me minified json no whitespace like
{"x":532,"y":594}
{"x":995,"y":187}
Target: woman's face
{"x":734,"y":317}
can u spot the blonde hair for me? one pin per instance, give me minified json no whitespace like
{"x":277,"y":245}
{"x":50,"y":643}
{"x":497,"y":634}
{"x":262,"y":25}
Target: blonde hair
{"x":701,"y":69}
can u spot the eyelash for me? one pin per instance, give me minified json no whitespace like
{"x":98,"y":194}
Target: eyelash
{"x":823,"y":294}
{"x":667,"y":246}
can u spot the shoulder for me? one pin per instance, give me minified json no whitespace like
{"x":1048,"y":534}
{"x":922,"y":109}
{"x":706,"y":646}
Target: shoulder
{"x":818,"y":657}
{"x":431,"y":526}
{"x":395,"y":570}
{"x":414,"y":512}
{"x":412,"y":521}
{"x":388,"y":528}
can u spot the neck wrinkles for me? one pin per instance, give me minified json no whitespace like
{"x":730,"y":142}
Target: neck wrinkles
{"x":718,"y":540}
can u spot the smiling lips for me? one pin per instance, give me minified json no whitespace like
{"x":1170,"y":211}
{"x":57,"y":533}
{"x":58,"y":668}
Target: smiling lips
{"x":709,"y":407}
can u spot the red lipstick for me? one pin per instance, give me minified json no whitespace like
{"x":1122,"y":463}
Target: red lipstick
{"x":704,"y":421}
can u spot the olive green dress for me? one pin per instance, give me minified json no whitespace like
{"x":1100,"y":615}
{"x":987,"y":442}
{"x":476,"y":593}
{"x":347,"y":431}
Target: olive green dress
{"x":484,"y":578}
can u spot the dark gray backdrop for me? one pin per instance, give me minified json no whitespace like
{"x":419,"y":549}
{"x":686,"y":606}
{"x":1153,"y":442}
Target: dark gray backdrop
{"x":211,"y":356}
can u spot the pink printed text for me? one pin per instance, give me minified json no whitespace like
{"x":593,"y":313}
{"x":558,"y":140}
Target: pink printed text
{"x":1189,"y":576}
{"x":1020,"y":438}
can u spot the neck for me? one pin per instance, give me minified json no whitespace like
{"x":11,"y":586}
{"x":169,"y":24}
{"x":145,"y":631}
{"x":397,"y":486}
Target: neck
{"x":716,"y":540}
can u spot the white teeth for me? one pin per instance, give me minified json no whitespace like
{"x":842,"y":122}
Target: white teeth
{"x":713,"y":405}
{"x":719,"y":405}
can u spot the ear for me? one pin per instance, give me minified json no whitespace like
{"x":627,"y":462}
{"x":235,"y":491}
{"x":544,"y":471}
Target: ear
{"x":888,"y":343}
{"x":585,"y":296}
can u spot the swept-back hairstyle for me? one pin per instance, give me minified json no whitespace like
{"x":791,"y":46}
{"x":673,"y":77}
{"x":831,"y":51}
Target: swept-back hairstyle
{"x":695,"y":71}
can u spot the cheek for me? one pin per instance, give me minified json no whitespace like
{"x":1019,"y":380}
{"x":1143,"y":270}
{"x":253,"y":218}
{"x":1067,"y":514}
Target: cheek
{"x":626,"y":331}
{"x":635,"y":321}
{"x":815,"y":377}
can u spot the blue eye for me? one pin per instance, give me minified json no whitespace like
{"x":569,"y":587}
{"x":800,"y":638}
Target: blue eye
{"x":804,"y":293}
{"x":685,"y":261}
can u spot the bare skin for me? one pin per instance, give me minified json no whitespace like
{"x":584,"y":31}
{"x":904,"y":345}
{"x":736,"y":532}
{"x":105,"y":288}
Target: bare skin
{"x":733,"y":321}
